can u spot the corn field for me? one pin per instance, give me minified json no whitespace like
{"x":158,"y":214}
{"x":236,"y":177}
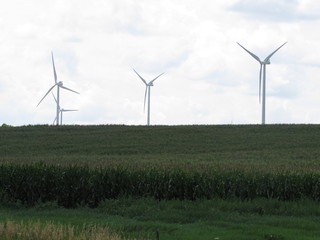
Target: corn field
{"x":72,"y":186}
{"x":84,"y":165}
{"x":270,"y":148}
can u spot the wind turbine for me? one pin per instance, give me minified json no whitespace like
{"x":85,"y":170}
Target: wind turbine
{"x":65,"y":110}
{"x":61,"y":110}
{"x":263,"y":76}
{"x":58,"y":85}
{"x":147,"y":92}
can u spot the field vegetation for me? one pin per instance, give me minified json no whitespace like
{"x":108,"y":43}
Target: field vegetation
{"x":214,"y":179}
{"x":268,"y":148}
{"x":10,"y":230}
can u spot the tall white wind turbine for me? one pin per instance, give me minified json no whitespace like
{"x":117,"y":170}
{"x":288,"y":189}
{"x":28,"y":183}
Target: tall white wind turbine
{"x":262,"y":76}
{"x":58,"y":85}
{"x":61,"y":110}
{"x":147,"y":92}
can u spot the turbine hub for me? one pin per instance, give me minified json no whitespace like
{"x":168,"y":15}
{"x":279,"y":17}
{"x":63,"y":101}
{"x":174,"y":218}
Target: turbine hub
{"x":60,"y":83}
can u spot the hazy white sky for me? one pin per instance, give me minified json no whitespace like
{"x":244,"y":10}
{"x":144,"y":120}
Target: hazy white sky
{"x":208,"y":78}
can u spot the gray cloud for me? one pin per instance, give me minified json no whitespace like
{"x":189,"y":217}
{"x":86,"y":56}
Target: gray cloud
{"x":274,"y":10}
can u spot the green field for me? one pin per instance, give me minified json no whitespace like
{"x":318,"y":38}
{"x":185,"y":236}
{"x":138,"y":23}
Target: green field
{"x":188,"y":182}
{"x":250,"y":147}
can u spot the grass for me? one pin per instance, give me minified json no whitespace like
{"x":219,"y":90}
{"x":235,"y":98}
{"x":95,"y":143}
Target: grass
{"x":259,"y":219}
{"x":10,"y":230}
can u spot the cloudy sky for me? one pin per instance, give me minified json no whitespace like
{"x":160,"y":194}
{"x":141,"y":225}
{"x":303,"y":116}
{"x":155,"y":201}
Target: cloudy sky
{"x":208,"y":78}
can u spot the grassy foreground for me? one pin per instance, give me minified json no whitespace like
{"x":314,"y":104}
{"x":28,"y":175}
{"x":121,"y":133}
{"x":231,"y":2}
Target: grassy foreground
{"x":271,"y":150}
{"x":10,"y":230}
{"x":259,"y":219}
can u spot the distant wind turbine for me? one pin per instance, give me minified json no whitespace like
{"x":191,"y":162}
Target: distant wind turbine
{"x":61,"y":110}
{"x":147,"y":92}
{"x":58,"y":85}
{"x":262,"y":73}
{"x":65,"y":110}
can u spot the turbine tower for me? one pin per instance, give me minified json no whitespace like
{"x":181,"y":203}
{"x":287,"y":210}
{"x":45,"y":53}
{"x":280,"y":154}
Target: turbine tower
{"x":262,"y":76}
{"x":58,"y":85}
{"x":147,"y":92}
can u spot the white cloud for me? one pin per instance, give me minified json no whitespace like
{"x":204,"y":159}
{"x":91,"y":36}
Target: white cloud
{"x":309,"y":7}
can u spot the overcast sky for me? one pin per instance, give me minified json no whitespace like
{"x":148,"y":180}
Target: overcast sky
{"x":208,"y":78}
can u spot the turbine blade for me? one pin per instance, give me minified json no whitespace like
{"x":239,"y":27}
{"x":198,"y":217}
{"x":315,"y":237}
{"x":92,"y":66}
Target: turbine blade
{"x":155,"y":78}
{"x":253,"y":55}
{"x":260,"y":75}
{"x":54,"y":97}
{"x":46,"y":94}
{"x":54,"y":121}
{"x":145,"y":98}
{"x":54,"y":69}
{"x":69,"y":89}
{"x":267,"y":58}
{"x":68,"y":110}
{"x":140,"y":76}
